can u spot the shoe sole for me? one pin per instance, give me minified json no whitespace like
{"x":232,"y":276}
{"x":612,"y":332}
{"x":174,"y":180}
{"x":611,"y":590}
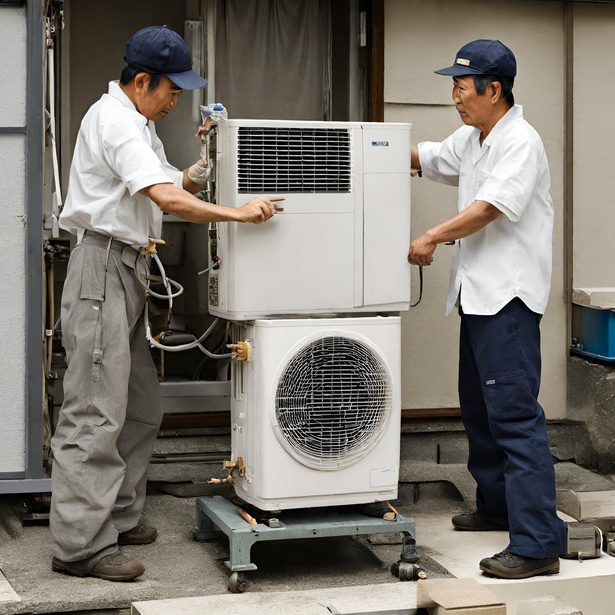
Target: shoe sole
{"x":462,"y":528}
{"x":136,"y":541}
{"x":553,"y":569}
{"x":58,"y":566}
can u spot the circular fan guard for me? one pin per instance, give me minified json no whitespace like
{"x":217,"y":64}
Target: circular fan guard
{"x":333,"y":402}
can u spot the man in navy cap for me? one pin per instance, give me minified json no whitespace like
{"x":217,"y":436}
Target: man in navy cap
{"x":500,"y":278}
{"x":120,"y":185}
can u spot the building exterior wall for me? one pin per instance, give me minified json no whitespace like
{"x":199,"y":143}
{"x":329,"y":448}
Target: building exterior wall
{"x":421,"y":37}
{"x":12,"y":222}
{"x":594,"y":136}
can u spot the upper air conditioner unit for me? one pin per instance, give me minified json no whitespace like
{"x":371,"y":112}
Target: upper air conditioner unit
{"x":340,"y":245}
{"x":315,"y":411}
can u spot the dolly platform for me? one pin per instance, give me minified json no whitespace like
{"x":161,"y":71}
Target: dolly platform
{"x":217,"y":512}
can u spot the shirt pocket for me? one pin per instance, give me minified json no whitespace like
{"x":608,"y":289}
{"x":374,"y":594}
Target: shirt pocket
{"x":508,"y":397}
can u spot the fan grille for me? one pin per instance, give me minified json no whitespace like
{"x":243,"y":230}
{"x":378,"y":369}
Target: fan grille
{"x":333,"y":402}
{"x":282,"y":160}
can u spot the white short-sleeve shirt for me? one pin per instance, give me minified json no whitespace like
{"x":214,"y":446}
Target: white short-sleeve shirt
{"x":511,"y":256}
{"x":117,"y":154}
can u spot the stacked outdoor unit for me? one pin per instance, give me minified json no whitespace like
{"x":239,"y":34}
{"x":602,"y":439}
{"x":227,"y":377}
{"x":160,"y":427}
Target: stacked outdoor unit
{"x":315,"y":291}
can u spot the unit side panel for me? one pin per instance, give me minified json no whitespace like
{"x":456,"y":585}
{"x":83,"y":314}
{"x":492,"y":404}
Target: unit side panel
{"x":386,"y":238}
{"x":386,"y":150}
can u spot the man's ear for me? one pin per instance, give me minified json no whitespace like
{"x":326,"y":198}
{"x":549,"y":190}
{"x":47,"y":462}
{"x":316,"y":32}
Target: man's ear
{"x":496,"y":91}
{"x":142,"y":82}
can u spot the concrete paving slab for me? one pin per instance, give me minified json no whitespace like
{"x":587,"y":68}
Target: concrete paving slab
{"x":7,"y":593}
{"x":309,"y":602}
{"x":178,"y":566}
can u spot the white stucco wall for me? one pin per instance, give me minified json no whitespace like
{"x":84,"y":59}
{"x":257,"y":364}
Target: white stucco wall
{"x":12,"y":223}
{"x":421,"y":37}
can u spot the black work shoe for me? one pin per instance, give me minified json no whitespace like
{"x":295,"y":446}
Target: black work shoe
{"x":471,"y":522}
{"x":138,"y":535}
{"x":506,"y":565}
{"x":114,"y":567}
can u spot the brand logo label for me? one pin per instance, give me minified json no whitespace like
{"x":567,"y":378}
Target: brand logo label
{"x":380,"y":144}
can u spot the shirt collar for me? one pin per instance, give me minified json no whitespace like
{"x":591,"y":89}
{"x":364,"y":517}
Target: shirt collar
{"x":515,"y":112}
{"x":116,"y":91}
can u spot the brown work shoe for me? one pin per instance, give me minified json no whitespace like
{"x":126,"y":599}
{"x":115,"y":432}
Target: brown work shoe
{"x":507,"y":565}
{"x":114,"y":567}
{"x":138,"y":535}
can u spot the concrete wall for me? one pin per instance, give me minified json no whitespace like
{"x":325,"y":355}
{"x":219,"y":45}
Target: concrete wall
{"x":421,"y":37}
{"x":12,"y":223}
{"x":594,"y":136}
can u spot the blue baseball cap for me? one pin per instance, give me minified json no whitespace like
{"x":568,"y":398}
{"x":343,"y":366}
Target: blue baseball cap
{"x":159,"y":49}
{"x":483,"y":57}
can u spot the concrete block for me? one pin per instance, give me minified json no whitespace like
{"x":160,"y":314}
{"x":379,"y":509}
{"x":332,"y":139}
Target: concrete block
{"x":571,"y":477}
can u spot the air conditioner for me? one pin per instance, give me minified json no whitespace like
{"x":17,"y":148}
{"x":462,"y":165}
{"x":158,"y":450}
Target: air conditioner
{"x":340,"y":245}
{"x":315,"y":411}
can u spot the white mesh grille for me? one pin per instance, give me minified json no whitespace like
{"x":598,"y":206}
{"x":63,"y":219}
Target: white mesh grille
{"x":281,"y":160}
{"x":333,"y":402}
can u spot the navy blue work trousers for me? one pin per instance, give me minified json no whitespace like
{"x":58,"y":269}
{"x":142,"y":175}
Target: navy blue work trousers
{"x":510,"y":459}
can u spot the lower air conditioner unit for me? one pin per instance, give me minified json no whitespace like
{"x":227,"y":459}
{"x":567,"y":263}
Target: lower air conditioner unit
{"x":316,"y":411}
{"x":341,"y":243}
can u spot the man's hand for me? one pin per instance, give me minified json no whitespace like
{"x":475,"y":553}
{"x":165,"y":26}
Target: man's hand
{"x":205,"y":128}
{"x":421,"y":251}
{"x":258,"y":210}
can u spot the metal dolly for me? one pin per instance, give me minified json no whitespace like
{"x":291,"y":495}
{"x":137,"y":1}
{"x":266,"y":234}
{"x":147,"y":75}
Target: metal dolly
{"x":216,"y":512}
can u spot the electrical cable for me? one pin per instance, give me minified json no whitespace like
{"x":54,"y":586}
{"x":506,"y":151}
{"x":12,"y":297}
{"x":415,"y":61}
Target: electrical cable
{"x":216,"y":263}
{"x":168,"y":282}
{"x":420,"y":288}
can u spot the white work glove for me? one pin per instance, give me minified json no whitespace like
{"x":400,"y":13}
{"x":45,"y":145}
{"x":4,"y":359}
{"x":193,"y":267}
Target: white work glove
{"x":199,"y":172}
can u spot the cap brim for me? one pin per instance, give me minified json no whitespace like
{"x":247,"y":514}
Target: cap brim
{"x":188,"y":80}
{"x":457,"y":70}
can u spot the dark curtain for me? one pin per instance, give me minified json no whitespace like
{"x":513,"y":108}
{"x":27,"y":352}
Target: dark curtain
{"x":273,"y":58}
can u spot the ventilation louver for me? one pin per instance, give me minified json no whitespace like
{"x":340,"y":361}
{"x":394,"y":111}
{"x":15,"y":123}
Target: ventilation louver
{"x":333,"y":402}
{"x":282,"y":160}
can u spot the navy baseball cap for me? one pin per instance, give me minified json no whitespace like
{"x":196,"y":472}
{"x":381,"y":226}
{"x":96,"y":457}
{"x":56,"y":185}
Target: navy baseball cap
{"x":483,"y":57}
{"x":159,"y":49}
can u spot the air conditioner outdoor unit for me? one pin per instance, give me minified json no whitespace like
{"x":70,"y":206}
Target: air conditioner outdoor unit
{"x":340,"y":245}
{"x":315,"y":411}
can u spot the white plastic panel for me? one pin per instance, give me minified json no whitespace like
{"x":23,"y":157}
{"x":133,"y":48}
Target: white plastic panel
{"x":386,"y":272}
{"x":293,"y":260}
{"x":386,"y":149}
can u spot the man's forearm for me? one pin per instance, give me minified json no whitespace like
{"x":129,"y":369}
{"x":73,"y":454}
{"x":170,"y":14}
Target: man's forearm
{"x":471,"y":220}
{"x":467,"y":222}
{"x":177,"y":202}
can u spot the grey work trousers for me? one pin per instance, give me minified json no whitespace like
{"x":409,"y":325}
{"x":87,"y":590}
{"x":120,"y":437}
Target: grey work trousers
{"x":112,"y":410}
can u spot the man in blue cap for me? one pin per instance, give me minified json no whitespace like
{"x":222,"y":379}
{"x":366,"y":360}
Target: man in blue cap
{"x":500,"y":279}
{"x":120,"y":185}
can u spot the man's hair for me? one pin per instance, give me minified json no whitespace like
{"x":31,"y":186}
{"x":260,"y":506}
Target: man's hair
{"x":129,"y":72}
{"x":481,"y":82}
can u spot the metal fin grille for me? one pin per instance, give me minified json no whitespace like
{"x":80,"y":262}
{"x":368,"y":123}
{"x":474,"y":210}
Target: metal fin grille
{"x":280,"y":160}
{"x":333,"y":402}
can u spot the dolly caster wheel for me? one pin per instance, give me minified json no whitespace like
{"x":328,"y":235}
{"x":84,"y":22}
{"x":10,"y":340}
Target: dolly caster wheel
{"x":237,"y":583}
{"x":405,"y":571}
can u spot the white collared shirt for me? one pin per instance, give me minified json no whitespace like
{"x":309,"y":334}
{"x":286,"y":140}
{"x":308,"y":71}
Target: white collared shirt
{"x":511,"y":256}
{"x":117,"y":154}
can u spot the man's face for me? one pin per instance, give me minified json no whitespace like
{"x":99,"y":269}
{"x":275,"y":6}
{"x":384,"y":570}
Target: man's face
{"x":473,"y":109}
{"x":158,"y":104}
